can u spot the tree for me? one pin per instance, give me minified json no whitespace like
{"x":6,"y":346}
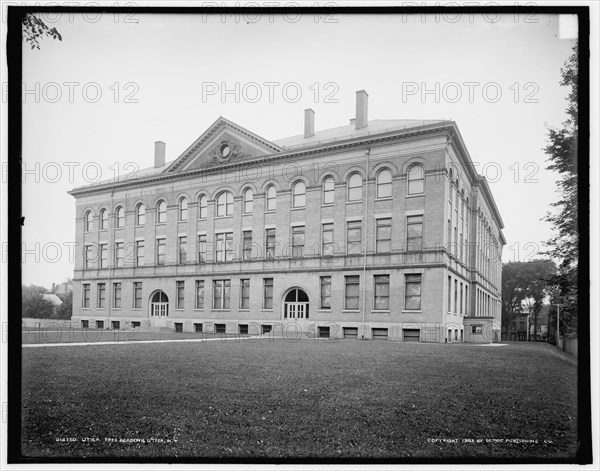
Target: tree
{"x":525,"y":282}
{"x":34,"y":29}
{"x":33,"y":303}
{"x":65,"y":310}
{"x":563,"y":246}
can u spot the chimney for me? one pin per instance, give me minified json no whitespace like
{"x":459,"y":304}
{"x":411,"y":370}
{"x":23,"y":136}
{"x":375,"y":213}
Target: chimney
{"x":309,"y":123}
{"x":362,"y":105}
{"x":159,"y":154}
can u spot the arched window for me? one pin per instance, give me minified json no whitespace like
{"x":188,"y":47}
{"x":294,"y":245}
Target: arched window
{"x":120,"y":217}
{"x":140,"y":215}
{"x":183,"y":209}
{"x":328,"y":190}
{"x":248,"y":201}
{"x":89,"y":221}
{"x":203,"y":207}
{"x":225,"y":204}
{"x":103,"y":219}
{"x":416,"y":179}
{"x":161,"y":209}
{"x":271,"y":198}
{"x":299,"y":195}
{"x":384,"y":184}
{"x":355,"y":187}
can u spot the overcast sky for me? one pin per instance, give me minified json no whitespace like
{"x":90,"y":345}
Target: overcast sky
{"x":115,"y":84}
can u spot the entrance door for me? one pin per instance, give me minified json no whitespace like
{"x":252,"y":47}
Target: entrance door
{"x":295,"y":309}
{"x":159,"y":309}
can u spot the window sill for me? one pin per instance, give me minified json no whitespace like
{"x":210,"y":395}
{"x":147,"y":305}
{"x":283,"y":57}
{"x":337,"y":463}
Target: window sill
{"x":300,"y":208}
{"x":354,"y":202}
{"x":247,"y":214}
{"x":386,"y":198}
{"x":139,"y":226}
{"x":179,"y":309}
{"x":198,"y":309}
{"x":161,"y":224}
{"x":270,"y":211}
{"x":85,"y":308}
{"x":351,"y":310}
{"x":136,"y":308}
{"x":381,"y":311}
{"x":328,"y":205}
{"x":411,"y":311}
{"x":417,"y":195}
{"x":202,"y":219}
{"x":266,"y":310}
{"x":230,"y":216}
{"x":221,"y":310}
{"x":323,"y":310}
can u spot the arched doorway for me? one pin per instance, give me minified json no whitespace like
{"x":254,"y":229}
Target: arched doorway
{"x":159,"y":305}
{"x":295,"y":305}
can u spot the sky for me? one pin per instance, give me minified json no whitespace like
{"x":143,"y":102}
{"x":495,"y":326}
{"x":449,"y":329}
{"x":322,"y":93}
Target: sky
{"x":96,"y":101}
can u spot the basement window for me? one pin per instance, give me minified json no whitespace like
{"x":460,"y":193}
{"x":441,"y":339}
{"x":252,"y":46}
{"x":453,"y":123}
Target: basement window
{"x":476,"y":329}
{"x":266,"y":328}
{"x":198,"y":327}
{"x":324,"y":332}
{"x":135,"y":324}
{"x":85,"y":324}
{"x":178,"y":327}
{"x":116,"y":325}
{"x":99,"y":324}
{"x":244,"y":329}
{"x":220,"y":328}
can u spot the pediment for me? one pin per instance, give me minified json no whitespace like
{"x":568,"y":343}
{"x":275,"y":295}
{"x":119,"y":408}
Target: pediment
{"x":222,"y":143}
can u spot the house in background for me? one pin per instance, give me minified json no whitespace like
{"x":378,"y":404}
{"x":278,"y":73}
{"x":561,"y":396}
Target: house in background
{"x":377,"y":229}
{"x":63,"y":288}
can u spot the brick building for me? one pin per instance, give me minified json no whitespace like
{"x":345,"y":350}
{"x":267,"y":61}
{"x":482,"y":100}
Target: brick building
{"x":378,"y":229}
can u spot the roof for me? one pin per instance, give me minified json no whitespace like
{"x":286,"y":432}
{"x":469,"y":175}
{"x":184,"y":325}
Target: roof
{"x":375,"y":126}
{"x":53,"y":299}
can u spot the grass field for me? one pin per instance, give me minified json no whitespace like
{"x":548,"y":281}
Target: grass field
{"x":274,"y":399}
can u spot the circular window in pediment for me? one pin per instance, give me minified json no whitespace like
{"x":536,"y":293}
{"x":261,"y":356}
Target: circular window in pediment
{"x":225,"y":151}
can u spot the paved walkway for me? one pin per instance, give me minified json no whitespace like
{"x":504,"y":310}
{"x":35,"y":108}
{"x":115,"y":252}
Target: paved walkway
{"x":136,"y":342}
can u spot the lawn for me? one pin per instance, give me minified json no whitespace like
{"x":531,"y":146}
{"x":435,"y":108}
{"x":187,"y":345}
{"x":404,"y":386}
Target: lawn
{"x":275,"y":399}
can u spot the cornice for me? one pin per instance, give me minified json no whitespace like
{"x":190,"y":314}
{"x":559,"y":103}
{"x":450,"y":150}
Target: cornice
{"x":365,"y":141}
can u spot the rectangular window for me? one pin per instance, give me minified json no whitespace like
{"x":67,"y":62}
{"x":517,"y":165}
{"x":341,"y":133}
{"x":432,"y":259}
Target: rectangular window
{"x":87,"y":257}
{"x":161,"y":247}
{"x":198,"y":327}
{"x":412,"y":300}
{"x":221,"y":292}
{"x":99,"y":324}
{"x":268,"y":293}
{"x":117,"y":295}
{"x":199,"y":294}
{"x":352,"y":293}
{"x":449,"y":294}
{"x":139,"y":253}
{"x":202,"y":248}
{"x":245,"y":294}
{"x":383,"y":235}
{"x":382,"y":292}
{"x":270,"y":244}
{"x":180,"y":285}
{"x":466,"y":300}
{"x":414,"y":233}
{"x":86,"y":295}
{"x":247,"y":245}
{"x":353,"y":237}
{"x":325,"y":292}
{"x":224,"y":246}
{"x":297,"y":241}
{"x":119,"y":252}
{"x":137,"y":294}
{"x":182,"y":243}
{"x":328,"y":248}
{"x":449,"y":237}
{"x":476,"y":329}
{"x":101,"y":295}
{"x":461,"y":299}
{"x":103,"y":256}
{"x":455,"y":296}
